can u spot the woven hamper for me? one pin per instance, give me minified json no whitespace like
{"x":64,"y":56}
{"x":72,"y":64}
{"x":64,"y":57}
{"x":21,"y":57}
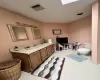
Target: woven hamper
{"x":10,"y":70}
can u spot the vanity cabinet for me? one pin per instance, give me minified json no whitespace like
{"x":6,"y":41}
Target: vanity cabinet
{"x":31,"y":61}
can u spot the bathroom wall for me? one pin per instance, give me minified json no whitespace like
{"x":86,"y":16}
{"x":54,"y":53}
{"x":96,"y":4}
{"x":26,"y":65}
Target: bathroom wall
{"x":80,"y":30}
{"x":8,"y":17}
{"x":48,"y":27}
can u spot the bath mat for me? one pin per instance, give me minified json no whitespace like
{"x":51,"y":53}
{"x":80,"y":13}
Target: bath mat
{"x":51,"y":69}
{"x":76,"y":57}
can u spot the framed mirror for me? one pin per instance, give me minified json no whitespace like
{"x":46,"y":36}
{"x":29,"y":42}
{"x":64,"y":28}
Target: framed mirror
{"x":18,"y":33}
{"x":36,"y":33}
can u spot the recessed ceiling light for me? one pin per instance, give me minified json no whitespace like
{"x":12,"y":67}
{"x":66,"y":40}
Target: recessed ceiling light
{"x":68,"y":1}
{"x":80,"y":14}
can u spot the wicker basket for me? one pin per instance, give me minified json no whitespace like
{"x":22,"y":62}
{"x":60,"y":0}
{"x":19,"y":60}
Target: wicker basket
{"x":10,"y":70}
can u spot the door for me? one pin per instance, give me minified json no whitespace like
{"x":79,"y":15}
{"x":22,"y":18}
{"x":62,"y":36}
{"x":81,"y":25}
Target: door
{"x":35,"y":59}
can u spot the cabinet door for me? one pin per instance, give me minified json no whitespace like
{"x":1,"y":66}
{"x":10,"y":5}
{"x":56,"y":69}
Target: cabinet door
{"x":53,"y":49}
{"x":49,"y":50}
{"x":25,"y":61}
{"x":35,"y":59}
{"x":43,"y":53}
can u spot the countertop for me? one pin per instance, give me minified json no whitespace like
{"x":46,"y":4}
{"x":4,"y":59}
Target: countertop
{"x":31,"y":49}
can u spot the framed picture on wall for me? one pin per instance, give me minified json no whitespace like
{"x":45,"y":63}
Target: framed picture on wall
{"x":56,"y":31}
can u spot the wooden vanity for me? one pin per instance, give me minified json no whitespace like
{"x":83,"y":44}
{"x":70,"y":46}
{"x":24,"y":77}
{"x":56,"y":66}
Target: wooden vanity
{"x":33,"y":57}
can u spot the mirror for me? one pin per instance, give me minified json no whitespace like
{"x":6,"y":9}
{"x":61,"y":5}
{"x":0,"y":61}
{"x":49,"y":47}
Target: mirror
{"x":17,"y":32}
{"x":36,"y":33}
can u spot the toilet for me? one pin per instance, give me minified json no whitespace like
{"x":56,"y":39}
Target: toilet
{"x":85,"y":50}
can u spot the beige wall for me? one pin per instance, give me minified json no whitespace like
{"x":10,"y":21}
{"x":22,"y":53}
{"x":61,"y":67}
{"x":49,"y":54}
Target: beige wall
{"x":48,"y":27}
{"x":7,"y":17}
{"x":77,"y":31}
{"x":80,"y":30}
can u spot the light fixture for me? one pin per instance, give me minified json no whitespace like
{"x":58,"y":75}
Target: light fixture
{"x":68,"y":1}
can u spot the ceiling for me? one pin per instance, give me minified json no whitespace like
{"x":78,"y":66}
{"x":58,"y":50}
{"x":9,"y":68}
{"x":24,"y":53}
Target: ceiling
{"x":54,"y":11}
